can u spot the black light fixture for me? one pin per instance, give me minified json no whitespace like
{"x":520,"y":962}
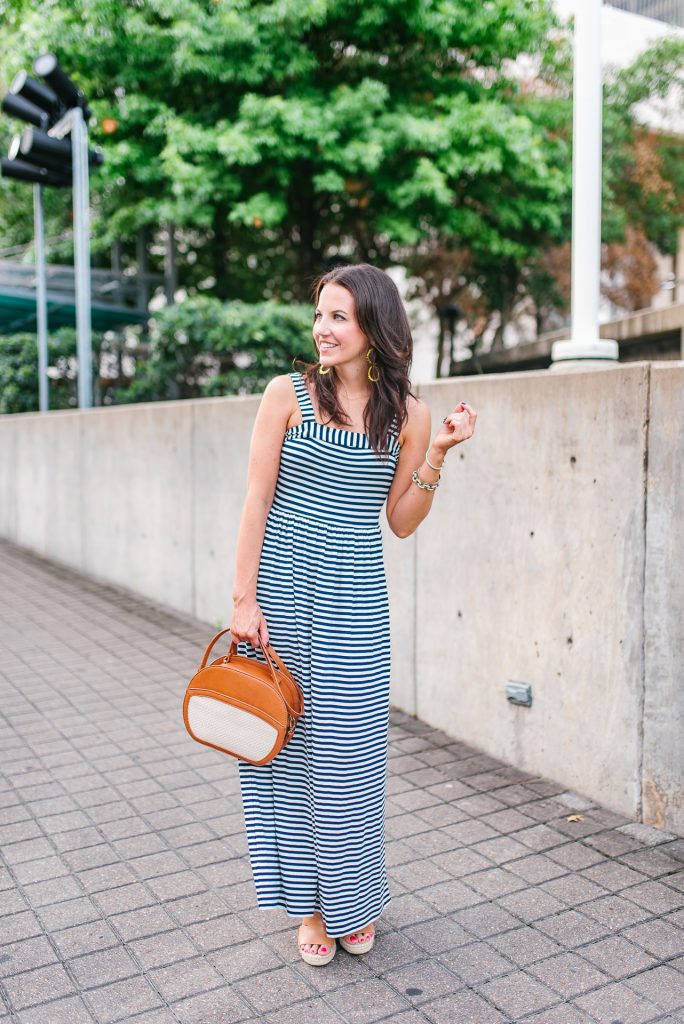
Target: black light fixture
{"x":40,"y":95}
{"x":24,"y":110}
{"x":53,"y":150}
{"x":47,"y":66}
{"x":41,"y":105}
{"x":24,"y":171}
{"x":58,"y":163}
{"x":40,"y":148}
{"x":38,"y":157}
{"x":37,"y":105}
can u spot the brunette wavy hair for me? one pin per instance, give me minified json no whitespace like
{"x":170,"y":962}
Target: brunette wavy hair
{"x":381,"y":316}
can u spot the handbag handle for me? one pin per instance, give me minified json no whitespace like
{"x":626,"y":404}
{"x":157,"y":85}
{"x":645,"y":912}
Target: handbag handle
{"x":269,"y":652}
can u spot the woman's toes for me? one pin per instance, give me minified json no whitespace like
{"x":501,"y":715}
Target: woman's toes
{"x":314,"y":947}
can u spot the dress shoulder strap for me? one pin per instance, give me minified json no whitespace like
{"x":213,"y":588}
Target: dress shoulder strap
{"x":303,"y":397}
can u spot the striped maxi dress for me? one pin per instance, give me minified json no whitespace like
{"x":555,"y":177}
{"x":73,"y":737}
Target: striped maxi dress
{"x":314,"y":816}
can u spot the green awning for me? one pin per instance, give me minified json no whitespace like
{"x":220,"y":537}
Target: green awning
{"x":18,"y":313}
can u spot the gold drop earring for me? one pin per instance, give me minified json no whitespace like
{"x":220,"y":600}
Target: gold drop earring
{"x":320,"y":366}
{"x":372,"y":365}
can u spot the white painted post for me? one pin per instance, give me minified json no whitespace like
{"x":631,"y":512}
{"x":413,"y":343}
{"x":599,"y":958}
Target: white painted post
{"x":79,"y":156}
{"x":74,"y":122}
{"x":41,"y":298}
{"x":585,"y":343}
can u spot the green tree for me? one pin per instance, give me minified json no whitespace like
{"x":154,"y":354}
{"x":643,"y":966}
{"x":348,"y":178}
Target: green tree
{"x":644,"y":166}
{"x":280,"y":135}
{"x":643,"y":192}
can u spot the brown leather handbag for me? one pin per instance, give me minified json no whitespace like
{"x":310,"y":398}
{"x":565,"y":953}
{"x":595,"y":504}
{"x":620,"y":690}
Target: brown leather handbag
{"x":241,"y":706}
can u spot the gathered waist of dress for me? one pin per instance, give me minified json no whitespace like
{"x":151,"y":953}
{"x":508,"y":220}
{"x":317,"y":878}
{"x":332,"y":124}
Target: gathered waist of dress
{"x":280,"y":512}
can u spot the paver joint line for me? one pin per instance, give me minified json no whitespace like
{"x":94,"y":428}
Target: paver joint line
{"x":125,"y":886}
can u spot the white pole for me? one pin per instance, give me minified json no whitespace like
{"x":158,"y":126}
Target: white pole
{"x":41,"y":298}
{"x":585,"y":342}
{"x":79,"y":156}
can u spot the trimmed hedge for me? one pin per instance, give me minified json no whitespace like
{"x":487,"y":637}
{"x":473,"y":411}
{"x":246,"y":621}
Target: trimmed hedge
{"x":197,"y":348}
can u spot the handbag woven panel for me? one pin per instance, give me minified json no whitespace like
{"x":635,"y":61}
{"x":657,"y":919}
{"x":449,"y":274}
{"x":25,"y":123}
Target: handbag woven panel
{"x":231,"y":728}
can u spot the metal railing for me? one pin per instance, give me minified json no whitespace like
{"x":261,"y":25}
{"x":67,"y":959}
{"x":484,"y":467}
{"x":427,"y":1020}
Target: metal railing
{"x":671,"y":11}
{"x":108,"y":287}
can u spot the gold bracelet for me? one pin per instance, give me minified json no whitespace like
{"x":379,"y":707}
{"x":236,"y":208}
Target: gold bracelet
{"x":423,"y":484}
{"x":437,"y":468}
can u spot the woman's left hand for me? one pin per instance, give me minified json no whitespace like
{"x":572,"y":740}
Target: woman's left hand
{"x":458,"y":426}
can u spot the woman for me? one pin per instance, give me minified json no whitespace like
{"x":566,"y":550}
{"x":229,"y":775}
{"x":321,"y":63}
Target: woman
{"x":329,"y":446}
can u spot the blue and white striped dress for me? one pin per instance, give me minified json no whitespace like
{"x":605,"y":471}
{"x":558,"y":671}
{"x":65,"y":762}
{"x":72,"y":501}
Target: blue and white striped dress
{"x":315,"y":814}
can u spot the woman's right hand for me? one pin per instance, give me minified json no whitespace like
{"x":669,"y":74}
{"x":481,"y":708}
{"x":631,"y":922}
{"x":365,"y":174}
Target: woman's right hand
{"x":248,"y":623}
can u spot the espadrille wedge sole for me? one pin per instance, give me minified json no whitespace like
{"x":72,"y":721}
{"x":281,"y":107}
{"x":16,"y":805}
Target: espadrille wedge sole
{"x":357,"y":947}
{"x":318,"y":959}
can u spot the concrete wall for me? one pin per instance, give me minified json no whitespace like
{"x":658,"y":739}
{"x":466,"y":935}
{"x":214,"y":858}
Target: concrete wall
{"x":547,"y":558}
{"x":663,"y":718}
{"x":531,"y":569}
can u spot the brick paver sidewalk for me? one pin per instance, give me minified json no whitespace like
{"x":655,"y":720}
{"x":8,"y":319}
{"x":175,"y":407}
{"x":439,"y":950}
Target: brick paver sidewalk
{"x":126,"y":892}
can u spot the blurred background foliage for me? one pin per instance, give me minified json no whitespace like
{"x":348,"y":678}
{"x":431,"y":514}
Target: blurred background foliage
{"x":280,"y":136}
{"x":19,"y":371}
{"x":193,"y":349}
{"x":204,"y":347}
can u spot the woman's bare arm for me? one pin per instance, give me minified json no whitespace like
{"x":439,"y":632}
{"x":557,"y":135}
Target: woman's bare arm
{"x":408,"y":504}
{"x":269,"y":429}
